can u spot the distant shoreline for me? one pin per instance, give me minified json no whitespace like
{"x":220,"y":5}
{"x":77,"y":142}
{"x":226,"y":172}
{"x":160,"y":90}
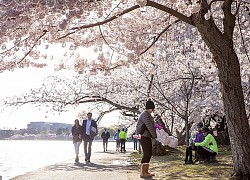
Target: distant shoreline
{"x":95,"y":140}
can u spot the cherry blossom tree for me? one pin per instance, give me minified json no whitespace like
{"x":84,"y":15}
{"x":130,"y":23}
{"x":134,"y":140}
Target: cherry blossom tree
{"x":122,"y":31}
{"x":127,"y":92}
{"x":182,"y":91}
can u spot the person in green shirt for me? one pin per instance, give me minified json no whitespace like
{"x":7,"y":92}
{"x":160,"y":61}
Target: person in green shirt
{"x":123,"y":138}
{"x":208,"y":148}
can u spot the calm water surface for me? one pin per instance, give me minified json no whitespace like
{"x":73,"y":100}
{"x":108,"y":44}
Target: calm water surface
{"x":20,"y":156}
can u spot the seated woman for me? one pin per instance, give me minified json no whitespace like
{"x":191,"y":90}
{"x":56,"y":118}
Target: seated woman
{"x":199,"y":137}
{"x":208,"y":148}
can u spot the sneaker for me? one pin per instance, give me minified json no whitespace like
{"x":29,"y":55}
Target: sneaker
{"x":203,"y":161}
{"x":188,"y":162}
{"x":77,"y":159}
{"x":195,"y":160}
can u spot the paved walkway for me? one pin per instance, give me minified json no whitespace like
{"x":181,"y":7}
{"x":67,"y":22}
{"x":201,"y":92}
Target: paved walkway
{"x":103,"y":166}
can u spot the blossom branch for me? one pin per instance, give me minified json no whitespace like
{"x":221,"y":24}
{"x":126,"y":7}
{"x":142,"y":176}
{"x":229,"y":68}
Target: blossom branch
{"x":44,"y":32}
{"x":156,"y":39}
{"x":170,"y":11}
{"x":99,"y":23}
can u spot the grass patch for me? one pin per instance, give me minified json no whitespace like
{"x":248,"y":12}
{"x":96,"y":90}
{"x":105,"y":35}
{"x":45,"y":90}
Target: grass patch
{"x":171,"y":165}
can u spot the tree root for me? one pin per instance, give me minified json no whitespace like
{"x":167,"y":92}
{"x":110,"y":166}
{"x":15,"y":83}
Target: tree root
{"x":238,"y":176}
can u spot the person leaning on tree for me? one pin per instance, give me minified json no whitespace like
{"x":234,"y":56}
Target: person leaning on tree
{"x":145,"y":127}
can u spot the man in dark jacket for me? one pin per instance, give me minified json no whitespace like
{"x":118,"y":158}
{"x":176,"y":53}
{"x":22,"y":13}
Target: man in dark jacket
{"x":105,"y":137}
{"x":89,"y":128}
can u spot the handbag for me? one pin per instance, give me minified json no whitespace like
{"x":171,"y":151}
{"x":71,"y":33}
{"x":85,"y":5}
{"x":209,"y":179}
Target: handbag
{"x":93,"y":131}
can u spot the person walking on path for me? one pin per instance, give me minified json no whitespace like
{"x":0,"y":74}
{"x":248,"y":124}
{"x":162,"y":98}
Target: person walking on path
{"x":146,"y":122}
{"x":76,"y":131}
{"x":199,"y":137}
{"x":105,"y":137}
{"x":135,"y":141}
{"x":90,"y":130}
{"x":117,"y":139}
{"x":123,"y":138}
{"x":208,"y":148}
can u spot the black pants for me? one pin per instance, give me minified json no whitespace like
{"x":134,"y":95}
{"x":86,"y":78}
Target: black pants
{"x":105,"y":144}
{"x":123,"y":148}
{"x":205,"y":153}
{"x":189,"y":154}
{"x":87,"y":144}
{"x":146,"y":144}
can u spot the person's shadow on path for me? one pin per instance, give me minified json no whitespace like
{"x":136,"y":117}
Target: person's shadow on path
{"x":91,"y":167}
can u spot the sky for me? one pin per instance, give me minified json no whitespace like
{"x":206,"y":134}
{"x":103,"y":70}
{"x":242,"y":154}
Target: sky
{"x":21,"y":81}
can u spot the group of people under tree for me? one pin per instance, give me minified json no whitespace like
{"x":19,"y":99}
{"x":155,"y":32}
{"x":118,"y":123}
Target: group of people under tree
{"x":85,"y":133}
{"x":204,"y":144}
{"x":120,"y":137}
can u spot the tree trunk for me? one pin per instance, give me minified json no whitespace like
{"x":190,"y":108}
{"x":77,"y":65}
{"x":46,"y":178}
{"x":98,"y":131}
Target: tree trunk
{"x":233,"y":100}
{"x":187,"y":131}
{"x":158,"y":149}
{"x":181,"y":138}
{"x":230,"y":79}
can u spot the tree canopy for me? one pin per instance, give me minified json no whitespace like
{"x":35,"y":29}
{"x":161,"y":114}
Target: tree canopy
{"x":126,"y":32}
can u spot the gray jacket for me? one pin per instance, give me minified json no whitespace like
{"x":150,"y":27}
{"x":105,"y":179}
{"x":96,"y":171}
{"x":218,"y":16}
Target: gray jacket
{"x":147,"y":119}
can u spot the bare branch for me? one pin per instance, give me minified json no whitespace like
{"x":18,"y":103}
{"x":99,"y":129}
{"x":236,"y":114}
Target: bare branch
{"x":105,"y":39}
{"x":243,"y":41}
{"x":44,"y":32}
{"x":102,"y":99}
{"x":105,"y":112}
{"x":229,"y":19}
{"x":170,"y":11}
{"x":156,"y":39}
{"x":210,"y":4}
